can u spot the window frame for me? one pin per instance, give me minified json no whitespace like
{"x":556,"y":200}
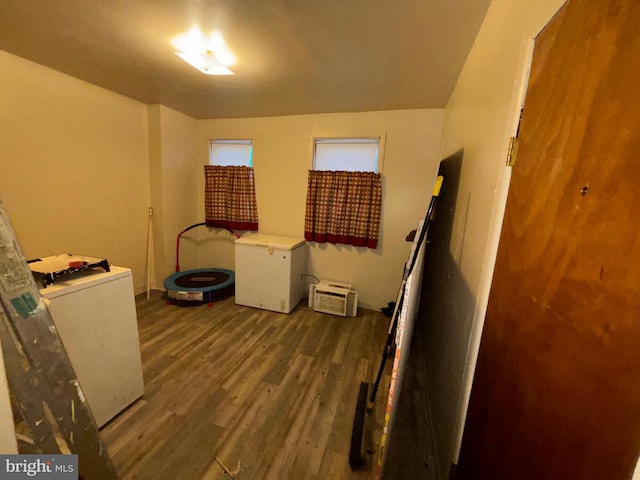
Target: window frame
{"x":365,"y":139}
{"x":232,"y":141}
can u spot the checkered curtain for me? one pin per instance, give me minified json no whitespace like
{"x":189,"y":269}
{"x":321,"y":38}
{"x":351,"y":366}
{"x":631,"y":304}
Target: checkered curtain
{"x":343,"y":207}
{"x":230,"y":197}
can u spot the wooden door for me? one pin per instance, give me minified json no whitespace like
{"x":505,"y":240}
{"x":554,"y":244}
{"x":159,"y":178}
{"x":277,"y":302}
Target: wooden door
{"x":556,"y":393}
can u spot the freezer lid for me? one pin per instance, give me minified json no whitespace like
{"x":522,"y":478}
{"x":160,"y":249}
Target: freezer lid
{"x":270,"y":241}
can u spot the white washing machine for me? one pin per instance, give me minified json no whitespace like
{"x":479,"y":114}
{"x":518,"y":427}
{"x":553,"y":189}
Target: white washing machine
{"x":95,"y":315}
{"x":270,"y":271}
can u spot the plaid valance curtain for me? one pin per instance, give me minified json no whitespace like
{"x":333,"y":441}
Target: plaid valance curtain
{"x":230,"y":197}
{"x":343,"y":207}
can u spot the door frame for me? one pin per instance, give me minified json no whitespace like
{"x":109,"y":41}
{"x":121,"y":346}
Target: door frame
{"x":495,"y":229}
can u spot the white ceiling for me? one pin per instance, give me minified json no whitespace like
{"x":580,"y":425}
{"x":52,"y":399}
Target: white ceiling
{"x":305,"y":56}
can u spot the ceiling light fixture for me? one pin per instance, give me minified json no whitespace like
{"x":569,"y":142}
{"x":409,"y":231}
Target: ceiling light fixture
{"x":209,"y":54}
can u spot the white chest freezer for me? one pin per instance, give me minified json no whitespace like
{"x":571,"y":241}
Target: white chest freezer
{"x":270,"y":271}
{"x":95,"y":315}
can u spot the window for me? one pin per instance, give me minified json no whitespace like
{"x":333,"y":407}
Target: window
{"x":231,"y":153}
{"x":230,"y":196}
{"x":344,"y":194}
{"x":346,"y":154}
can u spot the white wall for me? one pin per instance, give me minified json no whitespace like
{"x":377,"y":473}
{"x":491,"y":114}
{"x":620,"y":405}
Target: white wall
{"x":479,"y":119}
{"x":174,"y":188}
{"x":282,"y":158}
{"x":74,"y":163}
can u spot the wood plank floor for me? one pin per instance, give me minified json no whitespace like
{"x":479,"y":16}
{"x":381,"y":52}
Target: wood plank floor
{"x":274,"y":393}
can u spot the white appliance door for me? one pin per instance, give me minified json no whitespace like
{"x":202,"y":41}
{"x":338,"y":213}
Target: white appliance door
{"x":263,"y":277}
{"x":98,"y":327}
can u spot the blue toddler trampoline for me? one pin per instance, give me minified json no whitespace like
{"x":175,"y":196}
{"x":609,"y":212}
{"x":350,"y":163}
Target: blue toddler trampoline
{"x":201,"y":285}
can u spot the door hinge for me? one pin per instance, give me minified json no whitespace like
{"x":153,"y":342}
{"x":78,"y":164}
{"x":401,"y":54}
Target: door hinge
{"x":512,"y":152}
